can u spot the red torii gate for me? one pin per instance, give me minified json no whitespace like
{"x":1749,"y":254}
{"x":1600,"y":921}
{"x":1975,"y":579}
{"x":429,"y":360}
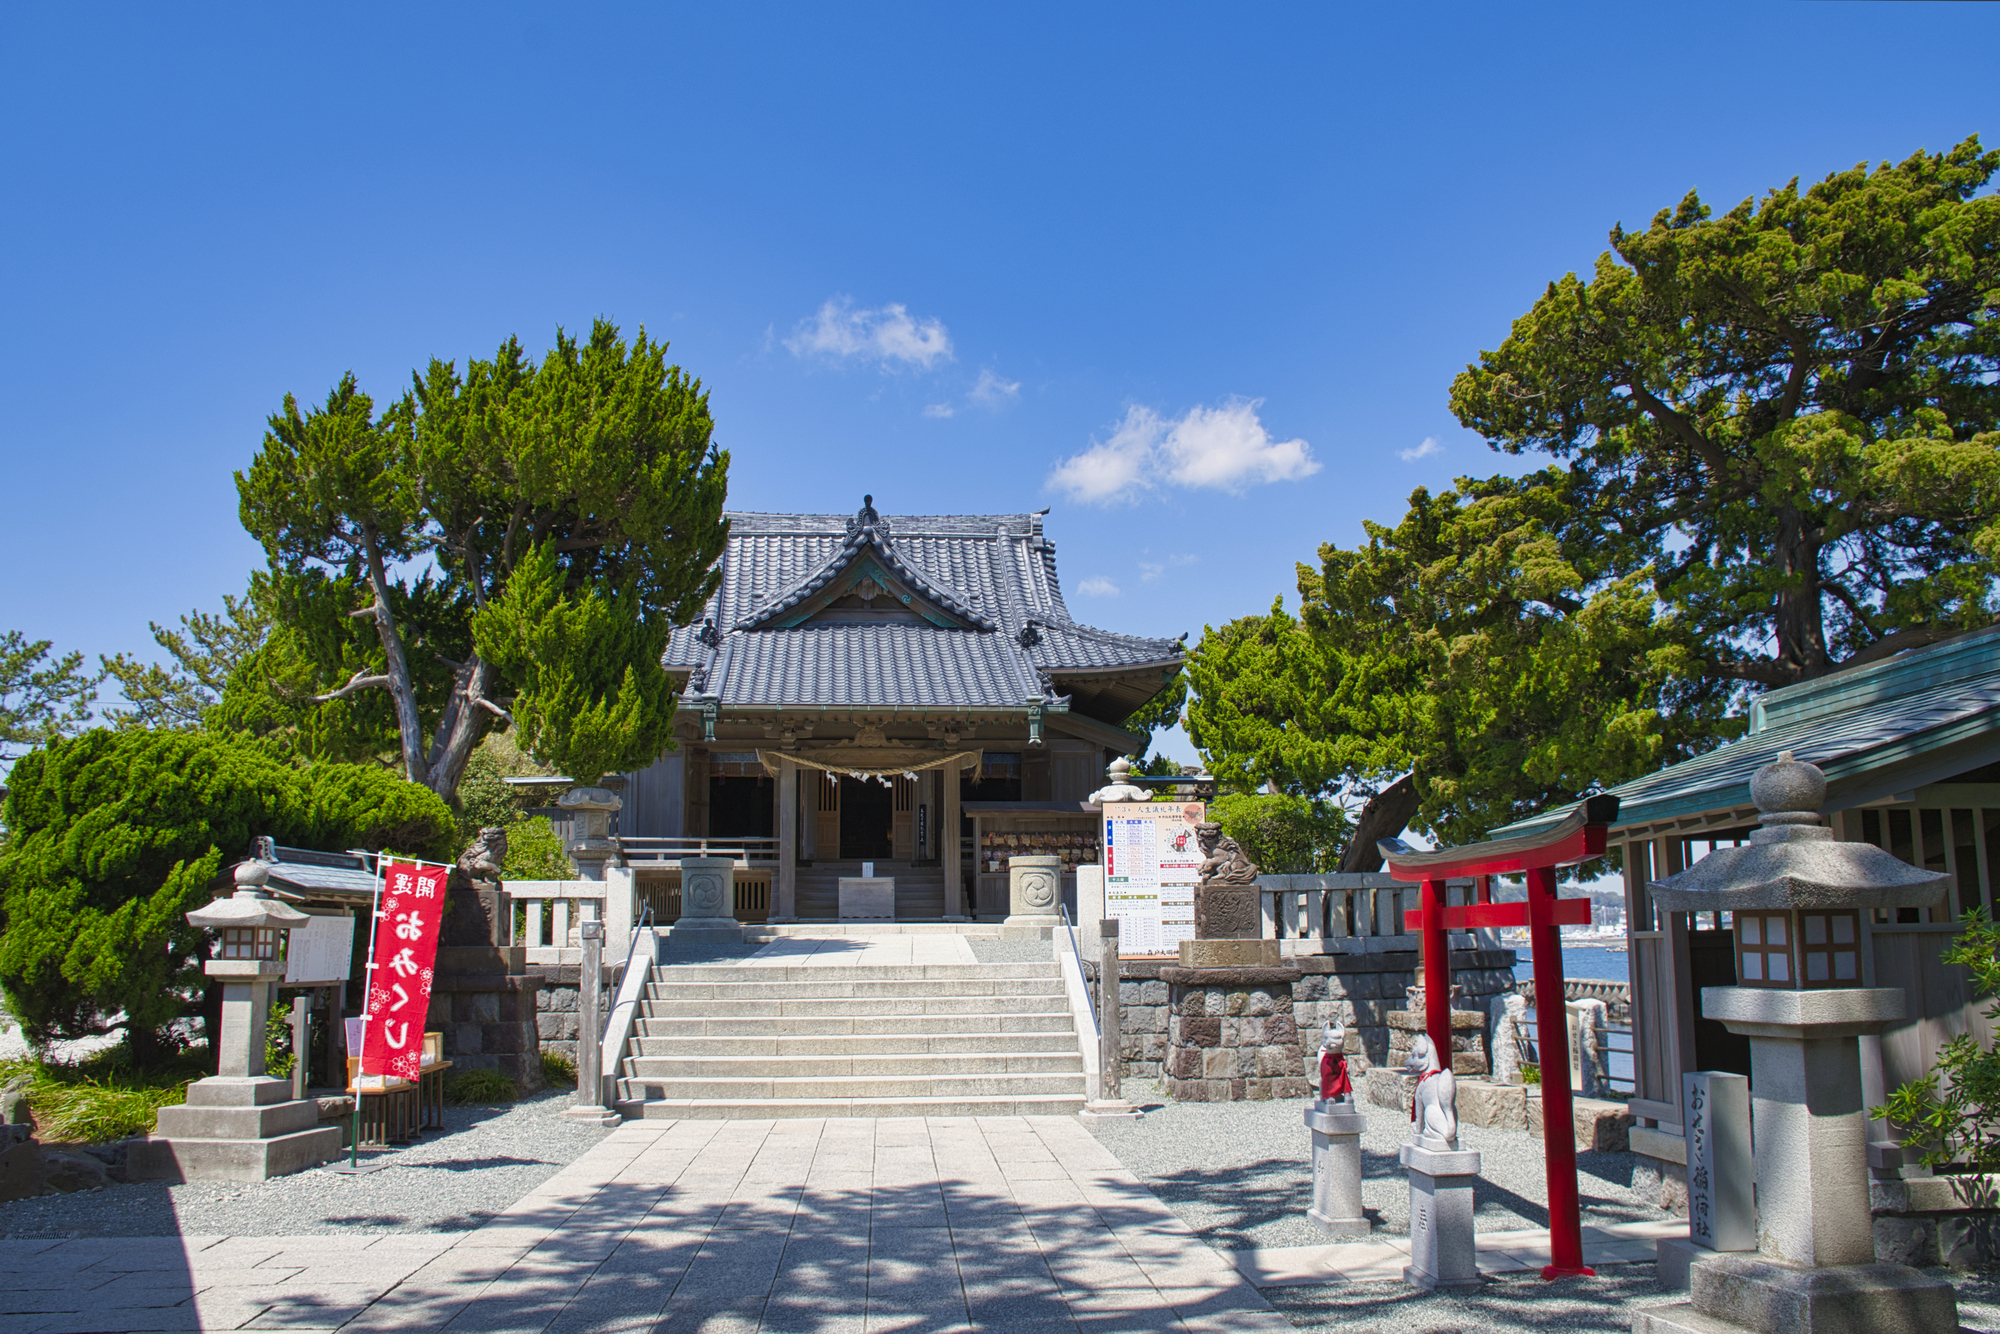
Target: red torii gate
{"x":1577,"y":838}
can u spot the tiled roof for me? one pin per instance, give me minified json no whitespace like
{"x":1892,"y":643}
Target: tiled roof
{"x":1849,"y":724}
{"x":993,"y":570}
{"x":877,"y":666}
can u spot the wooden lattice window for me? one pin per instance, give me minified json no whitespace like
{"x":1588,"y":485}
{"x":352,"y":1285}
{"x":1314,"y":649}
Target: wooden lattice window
{"x":1764,"y":949}
{"x":1829,"y":949}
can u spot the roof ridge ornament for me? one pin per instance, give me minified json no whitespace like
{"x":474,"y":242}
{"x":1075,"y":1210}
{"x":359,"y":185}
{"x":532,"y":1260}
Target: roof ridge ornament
{"x":867,"y":518}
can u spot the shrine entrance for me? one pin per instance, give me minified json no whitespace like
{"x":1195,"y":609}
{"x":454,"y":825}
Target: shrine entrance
{"x":867,"y":820}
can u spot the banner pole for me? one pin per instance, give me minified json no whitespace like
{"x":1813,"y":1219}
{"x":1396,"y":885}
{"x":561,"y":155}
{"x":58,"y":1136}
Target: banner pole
{"x":367,"y":999}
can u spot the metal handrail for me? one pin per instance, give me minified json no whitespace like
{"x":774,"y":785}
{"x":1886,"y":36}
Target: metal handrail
{"x":1076,"y":959}
{"x":624,"y":1009}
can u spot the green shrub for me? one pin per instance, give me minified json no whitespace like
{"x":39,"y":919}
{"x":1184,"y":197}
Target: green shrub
{"x":278,"y":1043}
{"x":1284,"y":835}
{"x":480,"y":1087}
{"x":115,"y":836}
{"x":1530,"y":1074}
{"x":1951,"y":1116}
{"x":557,"y":1069}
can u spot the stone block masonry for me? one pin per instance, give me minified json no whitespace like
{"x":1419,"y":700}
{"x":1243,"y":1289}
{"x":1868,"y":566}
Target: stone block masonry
{"x":1231,"y":1036}
{"x":1359,"y":990}
{"x":559,"y":1001}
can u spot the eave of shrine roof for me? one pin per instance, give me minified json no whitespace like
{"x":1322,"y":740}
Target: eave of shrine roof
{"x":1847,"y":746}
{"x":884,"y":665}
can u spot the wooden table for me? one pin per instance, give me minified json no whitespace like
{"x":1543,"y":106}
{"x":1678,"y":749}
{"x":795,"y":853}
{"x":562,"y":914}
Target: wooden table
{"x":389,"y":1114}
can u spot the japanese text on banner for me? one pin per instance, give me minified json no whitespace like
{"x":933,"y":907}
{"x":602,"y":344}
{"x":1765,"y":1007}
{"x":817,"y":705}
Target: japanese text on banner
{"x":400,"y":974}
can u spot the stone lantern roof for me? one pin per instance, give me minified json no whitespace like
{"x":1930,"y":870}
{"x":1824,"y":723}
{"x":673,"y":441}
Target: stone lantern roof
{"x":249,"y":906}
{"x":1793,"y":860}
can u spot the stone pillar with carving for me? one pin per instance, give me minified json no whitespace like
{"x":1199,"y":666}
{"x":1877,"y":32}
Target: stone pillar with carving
{"x":1034,"y":888}
{"x":708,"y":902}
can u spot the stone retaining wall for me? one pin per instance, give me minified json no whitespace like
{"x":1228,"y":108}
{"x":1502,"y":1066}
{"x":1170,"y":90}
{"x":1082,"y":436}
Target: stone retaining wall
{"x":557,"y":1004}
{"x":1359,"y":990}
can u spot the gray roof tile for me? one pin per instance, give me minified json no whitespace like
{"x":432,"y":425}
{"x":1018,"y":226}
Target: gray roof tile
{"x":996,"y":570}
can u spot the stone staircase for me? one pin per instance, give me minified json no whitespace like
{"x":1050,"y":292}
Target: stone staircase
{"x":723,"y":1042}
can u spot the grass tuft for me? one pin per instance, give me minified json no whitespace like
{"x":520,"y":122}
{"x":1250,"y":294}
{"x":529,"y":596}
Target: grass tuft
{"x":558,"y":1069}
{"x":102,"y":1097}
{"x":480,"y":1087}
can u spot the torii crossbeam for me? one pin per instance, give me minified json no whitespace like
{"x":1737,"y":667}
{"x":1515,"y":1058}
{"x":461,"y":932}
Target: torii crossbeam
{"x":1578,"y":838}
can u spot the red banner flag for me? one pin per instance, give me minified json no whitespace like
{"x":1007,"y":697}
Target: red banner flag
{"x":400,"y":973}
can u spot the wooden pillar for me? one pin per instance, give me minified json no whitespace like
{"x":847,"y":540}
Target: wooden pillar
{"x":785,"y":886}
{"x":1552,"y":1044}
{"x":954,"y":874}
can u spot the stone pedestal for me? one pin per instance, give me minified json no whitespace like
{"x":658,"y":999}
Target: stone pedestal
{"x":234,"y":1128}
{"x":483,"y":1000}
{"x":1231,"y":1035}
{"x":1336,"y":1158}
{"x":868,"y":897}
{"x":1034,"y":896}
{"x":1813,"y":1271}
{"x":708,"y":903}
{"x":1443,"y":1253}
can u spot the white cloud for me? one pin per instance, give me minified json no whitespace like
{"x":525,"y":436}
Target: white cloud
{"x":1429,"y":447}
{"x":888,"y":334}
{"x":994,"y":392}
{"x":938,"y":410}
{"x":1223,"y":448}
{"x":1098,"y":586}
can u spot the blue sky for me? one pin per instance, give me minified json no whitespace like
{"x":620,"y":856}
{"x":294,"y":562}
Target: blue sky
{"x":1197,"y":278}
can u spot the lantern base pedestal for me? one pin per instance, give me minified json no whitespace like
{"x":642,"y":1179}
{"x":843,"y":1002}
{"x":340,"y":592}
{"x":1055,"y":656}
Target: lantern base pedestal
{"x":235,"y":1128}
{"x":1741,"y":1292}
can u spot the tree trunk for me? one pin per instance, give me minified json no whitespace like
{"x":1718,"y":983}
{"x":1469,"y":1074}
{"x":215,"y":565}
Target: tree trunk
{"x":459,"y":732}
{"x":1386,"y":815}
{"x":1800,"y":620}
{"x":401,"y":689}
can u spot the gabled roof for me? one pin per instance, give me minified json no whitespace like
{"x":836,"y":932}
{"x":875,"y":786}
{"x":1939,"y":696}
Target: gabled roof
{"x":995,"y":632}
{"x":867,"y":536}
{"x":1919,"y":717}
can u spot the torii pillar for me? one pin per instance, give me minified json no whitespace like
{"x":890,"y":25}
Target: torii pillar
{"x":1579,"y":837}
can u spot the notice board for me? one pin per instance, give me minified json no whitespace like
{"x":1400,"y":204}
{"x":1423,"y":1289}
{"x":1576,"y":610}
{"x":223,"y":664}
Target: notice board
{"x":320,"y":951}
{"x":1151,"y":858}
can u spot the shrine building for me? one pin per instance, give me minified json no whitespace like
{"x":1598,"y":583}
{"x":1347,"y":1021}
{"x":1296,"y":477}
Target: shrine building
{"x":903,"y":690}
{"x":1911,"y":751}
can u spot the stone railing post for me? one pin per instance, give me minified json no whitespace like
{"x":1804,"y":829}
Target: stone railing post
{"x":1110,"y":1100}
{"x":586,"y":1104}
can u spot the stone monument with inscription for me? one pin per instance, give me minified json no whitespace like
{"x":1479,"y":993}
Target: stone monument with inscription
{"x":1722,"y":1207}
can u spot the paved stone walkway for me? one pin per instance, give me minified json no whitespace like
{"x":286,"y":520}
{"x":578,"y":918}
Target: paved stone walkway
{"x":916,"y":1226}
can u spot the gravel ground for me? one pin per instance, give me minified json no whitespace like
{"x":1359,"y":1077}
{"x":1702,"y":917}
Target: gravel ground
{"x":1240,"y":1174}
{"x":451,"y":1182}
{"x":990,"y":950}
{"x":1524,"y":1301}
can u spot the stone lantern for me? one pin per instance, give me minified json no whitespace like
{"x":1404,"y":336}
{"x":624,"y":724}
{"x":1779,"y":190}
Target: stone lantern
{"x":239,"y":1124}
{"x":1796,"y":895}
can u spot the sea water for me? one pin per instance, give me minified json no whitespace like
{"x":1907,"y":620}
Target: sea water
{"x":1593,"y":963}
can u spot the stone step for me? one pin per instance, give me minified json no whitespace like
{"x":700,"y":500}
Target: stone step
{"x":851,"y":972}
{"x":746,"y":1109}
{"x":856,"y":1044}
{"x":900,"y":1065}
{"x":836,"y":1007}
{"x":828,"y":926}
{"x":816,"y":1025}
{"x":654,"y":1088}
{"x":841,"y":988}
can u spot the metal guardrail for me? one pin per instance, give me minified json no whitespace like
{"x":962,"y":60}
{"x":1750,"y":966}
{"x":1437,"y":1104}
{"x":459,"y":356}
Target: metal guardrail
{"x":1076,"y":962}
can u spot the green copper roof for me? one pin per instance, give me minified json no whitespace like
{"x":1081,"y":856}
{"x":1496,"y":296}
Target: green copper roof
{"x":1862,"y":727}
